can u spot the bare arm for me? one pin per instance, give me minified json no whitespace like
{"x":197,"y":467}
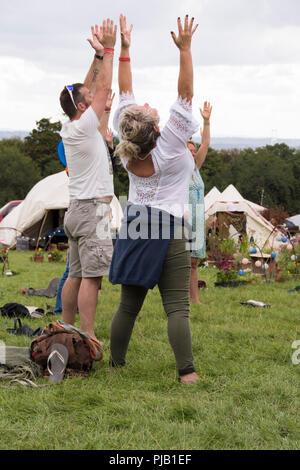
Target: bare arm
{"x":109,"y":137}
{"x":95,"y":42}
{"x":203,"y":149}
{"x":125,"y":75}
{"x":183,"y":42}
{"x":103,"y":79}
{"x":105,"y":116}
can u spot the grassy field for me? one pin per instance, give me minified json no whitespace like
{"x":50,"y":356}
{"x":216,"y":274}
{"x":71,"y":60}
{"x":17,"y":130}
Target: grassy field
{"x":247,"y":396}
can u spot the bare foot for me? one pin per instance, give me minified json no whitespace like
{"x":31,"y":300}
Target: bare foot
{"x":189,"y":378}
{"x":196,"y":302}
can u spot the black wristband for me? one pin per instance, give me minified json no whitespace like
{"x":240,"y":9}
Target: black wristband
{"x":100,"y":57}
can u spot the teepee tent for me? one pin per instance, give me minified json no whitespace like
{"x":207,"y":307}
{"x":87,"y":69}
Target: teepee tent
{"x":235,"y":215}
{"x":212,"y":196}
{"x":43,"y":209}
{"x":232,"y":194}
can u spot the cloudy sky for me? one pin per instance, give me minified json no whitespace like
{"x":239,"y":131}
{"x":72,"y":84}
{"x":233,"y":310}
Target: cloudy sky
{"x":246,"y":57}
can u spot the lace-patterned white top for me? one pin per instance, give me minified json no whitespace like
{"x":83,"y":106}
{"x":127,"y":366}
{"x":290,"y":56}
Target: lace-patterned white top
{"x":168,"y":187}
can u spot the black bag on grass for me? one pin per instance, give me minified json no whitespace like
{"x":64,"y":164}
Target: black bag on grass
{"x":12,"y":310}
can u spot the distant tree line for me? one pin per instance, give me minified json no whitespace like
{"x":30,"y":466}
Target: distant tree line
{"x":25,"y":162}
{"x":267,"y":175}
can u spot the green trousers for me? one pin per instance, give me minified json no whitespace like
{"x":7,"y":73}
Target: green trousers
{"x":174,"y":290}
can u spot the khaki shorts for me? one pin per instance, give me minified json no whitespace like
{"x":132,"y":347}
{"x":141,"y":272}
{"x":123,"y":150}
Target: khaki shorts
{"x":87,"y":226}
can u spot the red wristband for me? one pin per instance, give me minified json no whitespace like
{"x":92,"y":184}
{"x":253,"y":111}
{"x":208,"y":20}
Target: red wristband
{"x":109,"y":51}
{"x":124,"y":59}
{"x":107,"y":110}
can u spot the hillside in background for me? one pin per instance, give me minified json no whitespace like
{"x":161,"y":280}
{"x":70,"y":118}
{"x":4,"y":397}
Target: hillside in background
{"x":216,"y":142}
{"x":7,"y":134}
{"x":228,"y":143}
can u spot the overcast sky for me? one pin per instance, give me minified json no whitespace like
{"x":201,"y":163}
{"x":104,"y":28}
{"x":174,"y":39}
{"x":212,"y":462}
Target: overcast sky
{"x":246,"y":57}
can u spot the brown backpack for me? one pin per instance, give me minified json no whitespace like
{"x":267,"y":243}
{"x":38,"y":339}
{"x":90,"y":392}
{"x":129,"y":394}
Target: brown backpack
{"x":80,"y":359}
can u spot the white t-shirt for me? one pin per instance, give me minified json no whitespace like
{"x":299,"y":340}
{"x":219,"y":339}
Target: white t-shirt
{"x":168,"y":187}
{"x":89,"y":163}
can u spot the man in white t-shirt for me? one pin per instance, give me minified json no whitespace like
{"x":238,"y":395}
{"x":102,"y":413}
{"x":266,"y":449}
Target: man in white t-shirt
{"x":90,"y":185}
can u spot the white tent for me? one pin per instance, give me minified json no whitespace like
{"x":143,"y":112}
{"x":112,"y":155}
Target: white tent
{"x":231,"y":201}
{"x":295,"y":219}
{"x":212,"y":196}
{"x":232,"y":194}
{"x":229,"y":194}
{"x":48,"y":195}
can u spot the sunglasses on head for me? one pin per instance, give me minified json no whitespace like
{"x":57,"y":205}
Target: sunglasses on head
{"x":70,"y":89}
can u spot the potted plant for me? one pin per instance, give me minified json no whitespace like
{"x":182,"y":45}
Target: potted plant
{"x":227,"y":276}
{"x":38,"y":256}
{"x":54,"y":256}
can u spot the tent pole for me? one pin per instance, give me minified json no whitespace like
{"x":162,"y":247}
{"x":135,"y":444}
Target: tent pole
{"x":42,"y":226}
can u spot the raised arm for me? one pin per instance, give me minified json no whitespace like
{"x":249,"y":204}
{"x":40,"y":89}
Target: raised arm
{"x":205,"y":133}
{"x":95,"y":42}
{"x":103,"y":79}
{"x":105,"y":116}
{"x":183,"y":42}
{"x":125,"y":75}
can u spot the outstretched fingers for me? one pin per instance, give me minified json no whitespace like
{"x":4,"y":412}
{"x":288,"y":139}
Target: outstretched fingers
{"x":186,"y":22}
{"x":179,"y":24}
{"x":122,"y":22}
{"x":125,"y":32}
{"x":194,"y":29}
{"x":174,"y":37}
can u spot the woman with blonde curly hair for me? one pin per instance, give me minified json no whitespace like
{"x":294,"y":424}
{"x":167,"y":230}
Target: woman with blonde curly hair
{"x":152,"y":248}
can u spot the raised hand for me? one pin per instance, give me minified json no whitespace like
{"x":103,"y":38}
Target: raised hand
{"x":109,"y":137}
{"x":184,"y":38}
{"x":109,"y":34}
{"x":110,"y":99}
{"x":125,"y":33}
{"x":206,"y":111}
{"x":96,"y":41}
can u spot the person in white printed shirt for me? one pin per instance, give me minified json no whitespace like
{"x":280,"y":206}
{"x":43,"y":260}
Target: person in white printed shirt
{"x":90,"y":184}
{"x":159,"y":166}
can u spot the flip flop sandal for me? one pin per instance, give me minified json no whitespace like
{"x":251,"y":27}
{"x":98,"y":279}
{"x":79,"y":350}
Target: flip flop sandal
{"x":57,"y":362}
{"x":37,"y":313}
{"x":21,"y":330}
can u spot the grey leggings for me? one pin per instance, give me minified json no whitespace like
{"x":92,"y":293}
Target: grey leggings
{"x":174,"y":290}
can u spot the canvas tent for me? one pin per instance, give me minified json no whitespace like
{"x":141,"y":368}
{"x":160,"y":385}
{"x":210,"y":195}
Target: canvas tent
{"x":232,"y":194}
{"x":43,"y":210}
{"x":212,"y":196}
{"x":234,"y":215}
{"x":295,"y":219}
{"x":229,"y":194}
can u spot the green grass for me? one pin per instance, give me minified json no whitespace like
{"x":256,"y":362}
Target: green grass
{"x":247,"y":396}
